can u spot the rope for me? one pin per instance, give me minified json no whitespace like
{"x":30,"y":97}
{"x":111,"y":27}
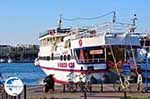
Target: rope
{"x":119,"y":74}
{"x":114,"y":60}
{"x":90,"y":18}
{"x":133,"y":58}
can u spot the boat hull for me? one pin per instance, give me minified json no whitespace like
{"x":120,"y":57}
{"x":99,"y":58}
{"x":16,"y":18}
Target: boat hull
{"x":63,"y":76}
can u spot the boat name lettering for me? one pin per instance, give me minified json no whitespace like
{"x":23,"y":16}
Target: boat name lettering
{"x":65,"y":65}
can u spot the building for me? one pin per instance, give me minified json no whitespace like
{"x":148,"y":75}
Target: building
{"x":19,"y":52}
{"x":4,"y":49}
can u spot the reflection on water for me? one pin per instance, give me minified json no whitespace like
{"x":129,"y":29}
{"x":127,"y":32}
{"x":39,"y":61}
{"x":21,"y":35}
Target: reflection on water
{"x":27,"y":72}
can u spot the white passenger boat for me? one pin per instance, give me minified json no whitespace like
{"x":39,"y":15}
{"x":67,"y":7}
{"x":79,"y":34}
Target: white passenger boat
{"x":68,"y":53}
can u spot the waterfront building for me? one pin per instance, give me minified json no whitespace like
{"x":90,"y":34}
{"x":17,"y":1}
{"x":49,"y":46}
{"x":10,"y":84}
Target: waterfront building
{"x":4,"y":51}
{"x":19,"y":53}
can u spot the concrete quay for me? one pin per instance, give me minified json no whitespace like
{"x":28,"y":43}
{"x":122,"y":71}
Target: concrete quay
{"x":36,"y":92}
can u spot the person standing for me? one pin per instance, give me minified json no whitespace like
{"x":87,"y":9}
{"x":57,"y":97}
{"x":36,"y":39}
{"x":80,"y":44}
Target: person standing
{"x":50,"y":83}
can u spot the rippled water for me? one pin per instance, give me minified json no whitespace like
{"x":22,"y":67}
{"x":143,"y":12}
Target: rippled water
{"x":27,"y":72}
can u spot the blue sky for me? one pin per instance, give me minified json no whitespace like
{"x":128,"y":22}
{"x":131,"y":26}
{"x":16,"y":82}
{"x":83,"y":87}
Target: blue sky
{"x":21,"y":21}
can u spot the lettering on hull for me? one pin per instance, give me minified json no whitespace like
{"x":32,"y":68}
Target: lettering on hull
{"x":66,"y":65}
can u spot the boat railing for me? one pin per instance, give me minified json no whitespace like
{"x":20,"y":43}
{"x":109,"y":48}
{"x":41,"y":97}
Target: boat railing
{"x":82,"y":35}
{"x":43,"y":34}
{"x":95,"y":60}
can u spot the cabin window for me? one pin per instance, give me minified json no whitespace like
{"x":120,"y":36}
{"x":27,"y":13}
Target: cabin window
{"x":68,"y":57}
{"x":64,"y":57}
{"x":44,"y":58}
{"x":90,"y":55}
{"x":118,"y":53}
{"x":51,"y":40}
{"x":69,"y":43}
{"x":52,"y":56}
{"x":145,"y":42}
{"x":61,"y":57}
{"x":48,"y":58}
{"x":62,"y":39}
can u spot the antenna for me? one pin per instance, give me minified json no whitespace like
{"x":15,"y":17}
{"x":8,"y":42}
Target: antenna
{"x":114,"y":17}
{"x":60,"y":22}
{"x":133,"y":24}
{"x":134,"y":20}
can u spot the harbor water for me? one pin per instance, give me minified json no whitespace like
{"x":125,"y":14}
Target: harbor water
{"x":27,"y":72}
{"x":31,"y":74}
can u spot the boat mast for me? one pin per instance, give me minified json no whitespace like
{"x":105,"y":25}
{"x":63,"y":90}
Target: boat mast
{"x":59,"y":23}
{"x":133,"y":24}
{"x":114,"y":17}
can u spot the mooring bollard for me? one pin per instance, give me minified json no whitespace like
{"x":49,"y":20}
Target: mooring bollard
{"x":101,"y":86}
{"x":138,"y":87}
{"x":19,"y":96}
{"x":25,"y":91}
{"x":85,"y":97}
{"x":6,"y":95}
{"x":64,"y":89}
{"x":125,"y":95}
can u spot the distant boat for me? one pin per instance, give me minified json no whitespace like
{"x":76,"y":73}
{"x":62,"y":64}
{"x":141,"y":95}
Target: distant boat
{"x":2,"y":60}
{"x":9,"y":60}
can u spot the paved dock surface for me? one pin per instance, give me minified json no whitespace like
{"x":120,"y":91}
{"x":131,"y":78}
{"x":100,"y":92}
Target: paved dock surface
{"x":37,"y":92}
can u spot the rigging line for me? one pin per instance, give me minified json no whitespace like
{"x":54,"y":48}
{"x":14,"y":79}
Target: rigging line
{"x":144,"y":42}
{"x":115,"y":62}
{"x":133,"y":55}
{"x":119,"y":74}
{"x":92,"y":18}
{"x":127,"y":24}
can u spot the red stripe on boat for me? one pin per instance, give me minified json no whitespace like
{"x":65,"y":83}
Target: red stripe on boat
{"x":68,"y":70}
